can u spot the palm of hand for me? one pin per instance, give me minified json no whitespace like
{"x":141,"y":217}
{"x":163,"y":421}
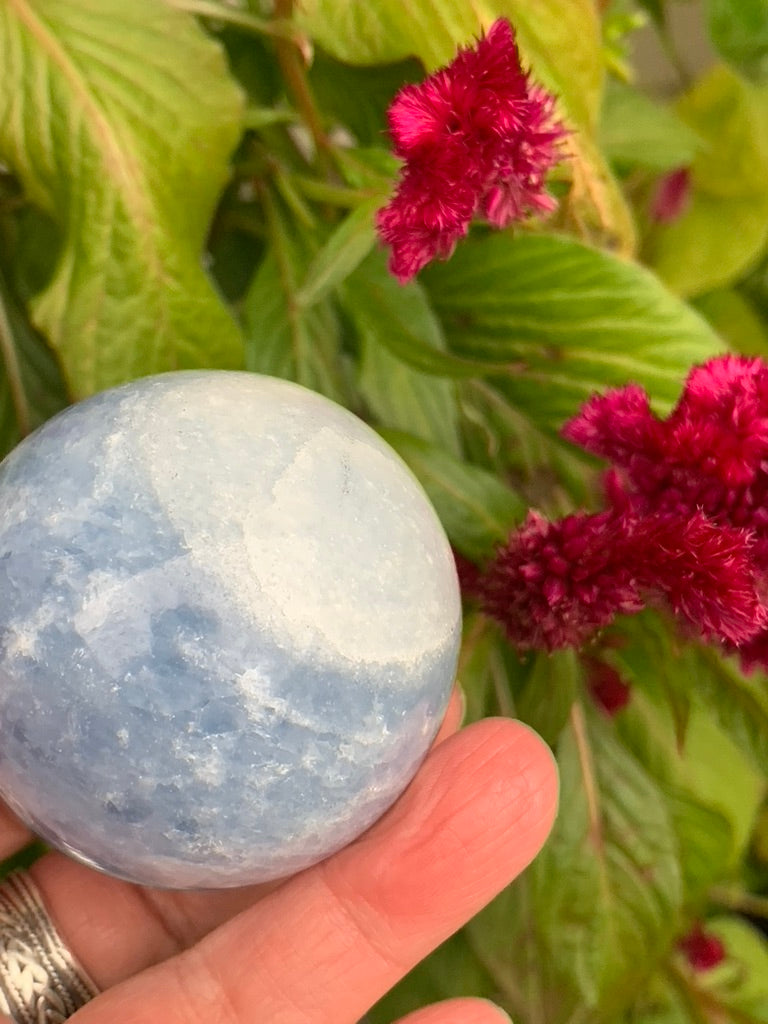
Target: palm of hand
{"x":323,"y":946}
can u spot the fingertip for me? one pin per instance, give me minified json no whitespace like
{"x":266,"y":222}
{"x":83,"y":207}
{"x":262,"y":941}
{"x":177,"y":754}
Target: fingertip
{"x":515,"y":765}
{"x":537,"y":773}
{"x":454,"y":715}
{"x":459,"y":1011}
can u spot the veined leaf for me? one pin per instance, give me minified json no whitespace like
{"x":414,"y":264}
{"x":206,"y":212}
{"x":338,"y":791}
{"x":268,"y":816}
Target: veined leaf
{"x":738,"y":702}
{"x":476,"y":509}
{"x":635,"y":131}
{"x":549,"y":692}
{"x":401,"y":398}
{"x":706,"y":842}
{"x":133,"y":195}
{"x":704,"y":766}
{"x":621,"y":892}
{"x":725,"y":227}
{"x":579,"y":930}
{"x":739,"y":31}
{"x":402,"y":319}
{"x":576,"y":321}
{"x":31,"y":387}
{"x":345,"y":249}
{"x":398,"y":336}
{"x":451,"y":971}
{"x":736,"y":320}
{"x":561,"y":42}
{"x":736,"y":991}
{"x":283,"y":338}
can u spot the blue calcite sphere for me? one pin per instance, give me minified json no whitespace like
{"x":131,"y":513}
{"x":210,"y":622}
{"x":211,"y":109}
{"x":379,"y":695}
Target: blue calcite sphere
{"x":229,"y":622}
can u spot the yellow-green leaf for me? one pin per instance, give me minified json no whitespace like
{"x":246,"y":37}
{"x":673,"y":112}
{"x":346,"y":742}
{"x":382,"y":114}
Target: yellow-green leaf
{"x":726,"y":226}
{"x":119,"y":119}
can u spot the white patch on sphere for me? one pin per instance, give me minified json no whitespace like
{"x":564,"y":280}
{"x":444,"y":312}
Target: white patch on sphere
{"x":317,"y":531}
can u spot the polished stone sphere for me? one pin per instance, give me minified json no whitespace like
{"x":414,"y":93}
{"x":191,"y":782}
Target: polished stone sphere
{"x":229,"y":622}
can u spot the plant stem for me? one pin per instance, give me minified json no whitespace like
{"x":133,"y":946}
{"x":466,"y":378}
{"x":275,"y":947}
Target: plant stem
{"x":276,"y":27}
{"x":579,"y":726}
{"x":738,"y":900}
{"x":293,"y":68}
{"x":287,"y":284}
{"x":12,"y":365}
{"x":337,"y":195}
{"x":672,"y":53}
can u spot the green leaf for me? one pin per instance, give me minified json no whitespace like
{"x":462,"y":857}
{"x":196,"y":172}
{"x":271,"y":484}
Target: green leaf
{"x":602,"y":900}
{"x":704,"y":766}
{"x":739,"y":31}
{"x":575,"y":321}
{"x":635,"y":131}
{"x":552,"y":686}
{"x":475,"y":508}
{"x":559,"y":37}
{"x":706,"y":842}
{"x":284,"y":339}
{"x":347,"y":247}
{"x":736,"y":990}
{"x":401,"y":318}
{"x":31,"y":387}
{"x":726,"y":225}
{"x":731,"y":118}
{"x":490,"y":673}
{"x":620,"y":895}
{"x":554,"y":476}
{"x":359,"y":97}
{"x":660,"y":1002}
{"x":133,"y":197}
{"x":738,"y":702}
{"x":560,"y":41}
{"x":712,"y":244}
{"x":655,"y":8}
{"x":451,"y":971}
{"x":736,"y":320}
{"x":401,"y":398}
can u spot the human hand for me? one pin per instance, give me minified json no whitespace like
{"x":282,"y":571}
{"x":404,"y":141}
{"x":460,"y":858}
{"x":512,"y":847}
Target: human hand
{"x":323,"y":946}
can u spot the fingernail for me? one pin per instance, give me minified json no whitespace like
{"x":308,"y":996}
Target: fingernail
{"x":503,"y":1015}
{"x":462,"y":703}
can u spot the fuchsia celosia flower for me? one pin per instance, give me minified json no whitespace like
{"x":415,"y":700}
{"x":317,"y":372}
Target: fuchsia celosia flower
{"x":686,"y":524}
{"x":672,"y":196}
{"x":609,"y":691}
{"x":476,"y":137}
{"x":702,"y":950}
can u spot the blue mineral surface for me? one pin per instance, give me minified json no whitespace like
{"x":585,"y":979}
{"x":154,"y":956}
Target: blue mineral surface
{"x":229,"y":622}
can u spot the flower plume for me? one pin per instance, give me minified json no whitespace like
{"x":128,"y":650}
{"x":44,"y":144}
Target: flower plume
{"x":477,"y":137}
{"x":685,"y":524}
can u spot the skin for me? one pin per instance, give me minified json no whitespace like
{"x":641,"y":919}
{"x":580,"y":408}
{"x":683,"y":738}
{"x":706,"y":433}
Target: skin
{"x":323,"y":946}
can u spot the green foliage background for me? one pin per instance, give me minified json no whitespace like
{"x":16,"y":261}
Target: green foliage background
{"x":190,"y":183}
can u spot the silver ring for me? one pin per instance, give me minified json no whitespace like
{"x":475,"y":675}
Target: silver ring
{"x":40,"y":980}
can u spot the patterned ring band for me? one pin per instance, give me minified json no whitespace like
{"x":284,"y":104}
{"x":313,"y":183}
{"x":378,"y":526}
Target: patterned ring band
{"x":40,"y":981}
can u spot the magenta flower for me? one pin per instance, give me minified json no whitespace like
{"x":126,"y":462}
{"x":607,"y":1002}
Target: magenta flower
{"x":476,"y":137}
{"x":685,"y":528}
{"x":606,"y":687}
{"x":554,"y":585}
{"x":672,"y":196}
{"x":702,"y":950}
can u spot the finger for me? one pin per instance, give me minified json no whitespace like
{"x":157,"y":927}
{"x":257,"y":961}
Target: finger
{"x":330,"y":942}
{"x":122,"y":929}
{"x":459,"y":1011}
{"x":14,"y":835}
